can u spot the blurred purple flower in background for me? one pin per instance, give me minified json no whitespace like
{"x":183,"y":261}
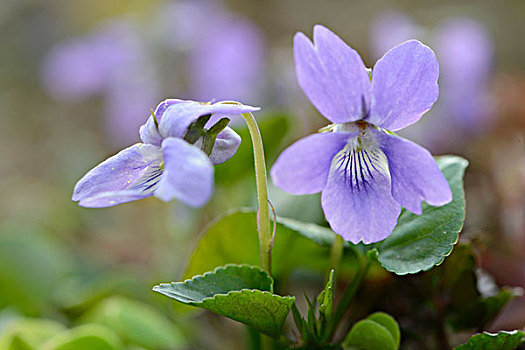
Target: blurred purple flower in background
{"x":164,"y":165}
{"x":391,"y":29}
{"x":225,"y":53}
{"x":111,"y":62}
{"x":465,"y":53}
{"x":229,"y":62}
{"x":365,"y":173}
{"x":77,"y":69}
{"x":185,"y":23}
{"x":131,"y":91}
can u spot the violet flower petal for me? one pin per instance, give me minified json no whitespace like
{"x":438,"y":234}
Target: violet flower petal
{"x":177,"y":117}
{"x":303,"y":167}
{"x":112,"y":198}
{"x":149,"y":133}
{"x":404,"y":85}
{"x":161,"y":108}
{"x":357,"y":201}
{"x":134,"y":169}
{"x":188,"y":173}
{"x":415,"y":174}
{"x":226,"y":145}
{"x":332,"y":75}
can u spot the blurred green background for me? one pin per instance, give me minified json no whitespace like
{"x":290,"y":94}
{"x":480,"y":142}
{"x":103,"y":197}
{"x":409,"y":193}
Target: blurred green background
{"x":77,"y":78}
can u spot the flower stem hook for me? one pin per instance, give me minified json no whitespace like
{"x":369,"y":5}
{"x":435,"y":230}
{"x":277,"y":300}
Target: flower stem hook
{"x":263,"y":217}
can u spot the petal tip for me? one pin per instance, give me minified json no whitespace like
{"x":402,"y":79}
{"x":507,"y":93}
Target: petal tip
{"x":319,"y":28}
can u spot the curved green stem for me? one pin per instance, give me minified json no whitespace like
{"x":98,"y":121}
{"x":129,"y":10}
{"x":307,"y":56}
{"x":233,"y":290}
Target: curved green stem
{"x":263,"y":212}
{"x":263,"y":217}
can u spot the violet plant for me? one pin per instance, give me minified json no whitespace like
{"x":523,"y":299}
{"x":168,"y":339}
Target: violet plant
{"x":366,"y":174}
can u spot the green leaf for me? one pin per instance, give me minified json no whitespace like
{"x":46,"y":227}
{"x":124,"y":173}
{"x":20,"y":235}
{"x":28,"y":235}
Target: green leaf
{"x":369,"y":335}
{"x":30,"y":260}
{"x":28,"y":333}
{"x":389,"y":323}
{"x":86,"y":337}
{"x":300,"y":323}
{"x":319,"y":234}
{"x":137,"y":323}
{"x":232,"y":239}
{"x":502,"y":340}
{"x":326,"y":299}
{"x":240,"y":292}
{"x":420,"y":242}
{"x":477,"y":313}
{"x":457,"y":283}
{"x":492,"y":305}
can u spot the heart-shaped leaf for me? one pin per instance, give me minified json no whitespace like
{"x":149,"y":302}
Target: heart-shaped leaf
{"x":240,"y":292}
{"x":420,"y":242}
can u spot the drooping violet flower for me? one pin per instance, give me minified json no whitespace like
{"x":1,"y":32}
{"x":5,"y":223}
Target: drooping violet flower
{"x":365,"y":173}
{"x":165,"y":165}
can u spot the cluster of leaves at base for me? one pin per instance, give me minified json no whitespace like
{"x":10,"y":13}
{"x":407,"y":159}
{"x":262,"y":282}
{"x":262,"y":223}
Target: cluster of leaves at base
{"x":442,"y":300}
{"x":378,"y":331}
{"x":312,"y":330}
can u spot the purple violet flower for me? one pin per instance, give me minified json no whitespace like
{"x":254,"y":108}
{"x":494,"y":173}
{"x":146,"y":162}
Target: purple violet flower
{"x":365,"y":172}
{"x":164,"y":165}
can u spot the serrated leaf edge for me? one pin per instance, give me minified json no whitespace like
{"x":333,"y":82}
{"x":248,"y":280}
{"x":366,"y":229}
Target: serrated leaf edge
{"x":465,"y":163}
{"x":157,"y":288}
{"x":288,"y":300}
{"x":198,"y":303}
{"x":217,"y":269}
{"x":493,"y":335}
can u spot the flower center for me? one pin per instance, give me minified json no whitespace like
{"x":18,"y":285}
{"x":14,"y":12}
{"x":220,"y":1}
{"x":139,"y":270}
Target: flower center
{"x":361,"y":160}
